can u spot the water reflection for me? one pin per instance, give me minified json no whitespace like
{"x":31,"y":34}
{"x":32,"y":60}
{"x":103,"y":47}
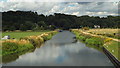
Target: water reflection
{"x":95,"y":47}
{"x":60,"y":51}
{"x":10,"y":58}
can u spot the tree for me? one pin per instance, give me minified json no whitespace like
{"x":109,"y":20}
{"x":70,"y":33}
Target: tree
{"x":52,"y":27}
{"x":27,"y":20}
{"x":29,"y":25}
{"x":23,"y":27}
{"x":12,"y":28}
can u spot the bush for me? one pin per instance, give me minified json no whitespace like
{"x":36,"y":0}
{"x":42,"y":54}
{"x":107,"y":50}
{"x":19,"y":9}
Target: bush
{"x":24,"y":44}
{"x":11,"y":47}
{"x":94,"y":41}
{"x":81,"y":38}
{"x":35,"y":40}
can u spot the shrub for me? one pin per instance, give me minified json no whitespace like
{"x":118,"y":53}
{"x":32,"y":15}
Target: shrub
{"x":94,"y":41}
{"x":12,"y":47}
{"x":26,"y":43}
{"x":9,"y":47}
{"x":81,"y":38}
{"x":35,"y":40}
{"x":46,"y":36}
{"x":24,"y":47}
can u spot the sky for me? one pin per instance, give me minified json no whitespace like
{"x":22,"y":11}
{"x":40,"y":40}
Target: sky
{"x":72,"y":7}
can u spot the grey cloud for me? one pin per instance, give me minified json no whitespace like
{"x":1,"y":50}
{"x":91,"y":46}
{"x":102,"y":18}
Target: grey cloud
{"x":64,"y":0}
{"x":74,"y":8}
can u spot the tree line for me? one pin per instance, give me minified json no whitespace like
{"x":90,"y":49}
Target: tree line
{"x":28,"y":20}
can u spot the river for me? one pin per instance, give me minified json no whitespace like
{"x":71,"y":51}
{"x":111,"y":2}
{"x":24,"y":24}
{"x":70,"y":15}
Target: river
{"x":62,"y":50}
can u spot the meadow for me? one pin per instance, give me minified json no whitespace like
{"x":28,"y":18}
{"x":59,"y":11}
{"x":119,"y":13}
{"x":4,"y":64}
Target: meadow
{"x":114,"y":33}
{"x":113,"y":47}
{"x":104,"y":30}
{"x":18,"y":35}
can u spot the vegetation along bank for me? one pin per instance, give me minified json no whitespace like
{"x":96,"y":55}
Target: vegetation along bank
{"x":13,"y":46}
{"x":111,"y":44}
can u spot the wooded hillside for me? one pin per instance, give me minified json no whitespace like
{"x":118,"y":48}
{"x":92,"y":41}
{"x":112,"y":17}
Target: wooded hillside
{"x":28,"y":20}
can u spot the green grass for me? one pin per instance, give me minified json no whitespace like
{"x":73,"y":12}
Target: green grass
{"x":94,"y":41}
{"x":18,"y":46}
{"x":18,"y":35}
{"x":10,"y":48}
{"x":82,"y":38}
{"x":89,"y":39}
{"x":113,"y":47}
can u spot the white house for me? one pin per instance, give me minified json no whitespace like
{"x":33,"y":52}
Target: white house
{"x":96,"y":26}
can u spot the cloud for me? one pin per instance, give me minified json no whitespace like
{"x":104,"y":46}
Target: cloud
{"x":75,"y":13}
{"x":73,"y":8}
{"x":61,"y":0}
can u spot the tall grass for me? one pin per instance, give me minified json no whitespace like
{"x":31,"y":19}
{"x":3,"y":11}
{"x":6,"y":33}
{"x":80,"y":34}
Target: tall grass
{"x":25,"y":43}
{"x":112,"y":46}
{"x":14,"y":47}
{"x":114,"y":33}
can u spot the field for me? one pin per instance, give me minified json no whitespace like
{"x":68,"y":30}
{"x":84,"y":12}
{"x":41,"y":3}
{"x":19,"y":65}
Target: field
{"x":110,"y":31}
{"x":113,"y":47}
{"x":18,"y":35}
{"x":114,"y":33}
{"x":108,"y":39}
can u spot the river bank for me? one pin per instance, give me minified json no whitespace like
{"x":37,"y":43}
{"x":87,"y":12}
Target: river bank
{"x":61,"y":50}
{"x":24,"y":44}
{"x":100,"y":41}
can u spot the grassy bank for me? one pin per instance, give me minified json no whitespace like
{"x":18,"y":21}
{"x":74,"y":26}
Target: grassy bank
{"x":100,"y":41}
{"x":13,"y":46}
{"x":113,"y":47}
{"x":114,"y":33}
{"x":18,"y":35}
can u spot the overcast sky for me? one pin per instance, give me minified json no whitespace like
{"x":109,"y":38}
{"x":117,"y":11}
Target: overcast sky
{"x":76,"y":7}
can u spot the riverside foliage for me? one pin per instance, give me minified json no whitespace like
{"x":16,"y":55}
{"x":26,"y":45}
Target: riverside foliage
{"x":100,"y":41}
{"x":24,"y":44}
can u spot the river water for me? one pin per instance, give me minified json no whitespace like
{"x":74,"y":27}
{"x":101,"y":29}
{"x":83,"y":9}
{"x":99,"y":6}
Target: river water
{"x":62,"y":50}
